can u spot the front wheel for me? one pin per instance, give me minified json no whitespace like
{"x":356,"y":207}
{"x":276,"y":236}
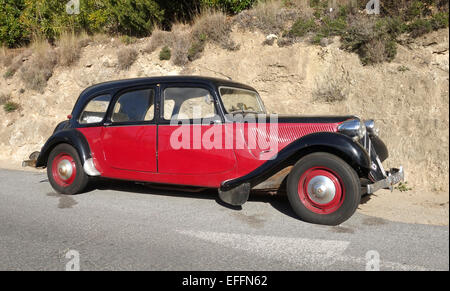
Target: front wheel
{"x":64,"y":170}
{"x":323,"y":189}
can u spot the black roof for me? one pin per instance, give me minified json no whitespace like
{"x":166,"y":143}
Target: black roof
{"x":118,"y":84}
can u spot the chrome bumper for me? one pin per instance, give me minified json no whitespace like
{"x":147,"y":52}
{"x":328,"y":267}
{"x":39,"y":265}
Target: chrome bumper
{"x":394,"y":176}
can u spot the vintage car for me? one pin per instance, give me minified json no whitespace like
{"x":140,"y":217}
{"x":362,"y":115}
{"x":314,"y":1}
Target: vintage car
{"x":213,"y":133}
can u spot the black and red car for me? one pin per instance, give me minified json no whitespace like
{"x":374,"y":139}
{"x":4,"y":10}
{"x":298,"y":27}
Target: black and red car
{"x":213,"y":133}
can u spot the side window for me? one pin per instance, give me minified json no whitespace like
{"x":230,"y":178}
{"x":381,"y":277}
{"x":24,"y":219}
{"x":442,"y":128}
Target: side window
{"x":135,"y":105}
{"x":187,"y":103}
{"x":95,"y":110}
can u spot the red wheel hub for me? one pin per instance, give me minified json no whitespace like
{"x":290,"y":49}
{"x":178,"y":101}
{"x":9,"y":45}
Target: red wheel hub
{"x":64,"y":169}
{"x":321,"y":190}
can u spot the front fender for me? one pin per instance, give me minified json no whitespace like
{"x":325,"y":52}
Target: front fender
{"x":336,"y":143}
{"x":70,"y":136}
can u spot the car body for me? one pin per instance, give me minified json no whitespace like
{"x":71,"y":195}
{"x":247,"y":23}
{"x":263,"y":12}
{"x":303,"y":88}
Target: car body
{"x":214,"y":133}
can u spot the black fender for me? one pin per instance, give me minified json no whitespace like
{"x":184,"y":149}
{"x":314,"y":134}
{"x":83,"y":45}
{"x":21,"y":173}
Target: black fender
{"x":70,"y":136}
{"x":336,"y":143}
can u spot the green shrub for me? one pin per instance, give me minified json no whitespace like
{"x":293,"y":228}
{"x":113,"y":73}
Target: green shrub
{"x":228,"y":6}
{"x":125,"y":39}
{"x":196,"y":49}
{"x":330,"y":27}
{"x":10,"y":106}
{"x":134,"y":17}
{"x":302,"y":27}
{"x":439,"y":20}
{"x":420,"y":27}
{"x":165,"y":54}
{"x":12,"y":31}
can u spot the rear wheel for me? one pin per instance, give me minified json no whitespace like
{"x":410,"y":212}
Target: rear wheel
{"x":323,"y":189}
{"x":65,"y":171}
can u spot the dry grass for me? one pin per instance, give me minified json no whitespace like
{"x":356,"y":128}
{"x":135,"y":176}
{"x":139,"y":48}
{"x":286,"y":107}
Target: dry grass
{"x":69,"y":48}
{"x":13,"y":60}
{"x":213,"y":26}
{"x":39,"y":68}
{"x":158,"y":39}
{"x":187,"y":42}
{"x":273,"y":16}
{"x":330,"y":89}
{"x":126,"y":56}
{"x":4,"y":98}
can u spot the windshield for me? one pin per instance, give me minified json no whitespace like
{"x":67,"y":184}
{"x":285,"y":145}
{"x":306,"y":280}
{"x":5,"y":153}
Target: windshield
{"x":238,"y":100}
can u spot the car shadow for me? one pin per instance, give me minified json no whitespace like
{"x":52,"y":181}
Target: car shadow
{"x":277,"y":199}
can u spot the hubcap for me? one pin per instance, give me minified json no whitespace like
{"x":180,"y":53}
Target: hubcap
{"x":321,"y":189}
{"x":65,"y":169}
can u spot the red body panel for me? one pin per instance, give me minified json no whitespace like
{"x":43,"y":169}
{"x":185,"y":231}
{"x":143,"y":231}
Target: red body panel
{"x":145,"y":152}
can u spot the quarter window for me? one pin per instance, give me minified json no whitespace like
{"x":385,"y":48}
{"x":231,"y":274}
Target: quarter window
{"x":95,"y":110}
{"x":135,"y":106}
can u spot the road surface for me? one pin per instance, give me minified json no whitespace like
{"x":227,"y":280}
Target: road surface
{"x":124,"y":226}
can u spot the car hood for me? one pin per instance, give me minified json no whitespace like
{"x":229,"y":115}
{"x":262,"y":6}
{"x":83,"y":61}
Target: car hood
{"x":311,"y":119}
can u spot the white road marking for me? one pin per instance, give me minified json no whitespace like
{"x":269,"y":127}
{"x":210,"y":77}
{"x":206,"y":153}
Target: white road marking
{"x":293,"y":250}
{"x":298,"y":251}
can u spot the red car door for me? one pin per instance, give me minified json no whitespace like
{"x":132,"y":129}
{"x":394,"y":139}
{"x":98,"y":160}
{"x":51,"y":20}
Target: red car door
{"x":191,"y":136}
{"x":129,"y":137}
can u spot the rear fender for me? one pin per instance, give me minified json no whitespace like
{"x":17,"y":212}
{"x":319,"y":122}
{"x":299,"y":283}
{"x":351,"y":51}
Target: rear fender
{"x":70,"y":136}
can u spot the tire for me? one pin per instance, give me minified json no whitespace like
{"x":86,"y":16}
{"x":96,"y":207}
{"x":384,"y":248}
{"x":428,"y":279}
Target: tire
{"x":69,"y":177}
{"x":310,"y":188}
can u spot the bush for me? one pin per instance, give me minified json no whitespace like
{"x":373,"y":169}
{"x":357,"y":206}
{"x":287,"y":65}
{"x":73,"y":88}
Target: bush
{"x":229,"y":6}
{"x":330,"y":90}
{"x":15,"y":63}
{"x":69,"y":48}
{"x":302,"y":27}
{"x":39,"y":68}
{"x":12,"y":31}
{"x":158,"y":38}
{"x":10,"y":106}
{"x":134,"y":17}
{"x":4,"y":98}
{"x":126,"y":57}
{"x":213,"y":26}
{"x":374,"y":41}
{"x":165,"y":54}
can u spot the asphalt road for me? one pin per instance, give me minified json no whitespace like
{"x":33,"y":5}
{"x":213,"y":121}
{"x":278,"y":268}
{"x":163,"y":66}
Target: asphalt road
{"x":123,"y":226}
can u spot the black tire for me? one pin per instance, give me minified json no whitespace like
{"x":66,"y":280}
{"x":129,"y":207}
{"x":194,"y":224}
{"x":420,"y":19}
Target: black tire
{"x":78,"y":179}
{"x":346,"y":180}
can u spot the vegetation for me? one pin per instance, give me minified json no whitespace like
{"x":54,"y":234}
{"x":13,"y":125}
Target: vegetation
{"x":403,"y":187}
{"x":39,"y":68}
{"x":126,"y":57}
{"x":165,"y":54}
{"x":10,"y":106}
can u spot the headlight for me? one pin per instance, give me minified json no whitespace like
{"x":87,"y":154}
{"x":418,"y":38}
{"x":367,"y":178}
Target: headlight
{"x":371,"y":129}
{"x":353,"y":128}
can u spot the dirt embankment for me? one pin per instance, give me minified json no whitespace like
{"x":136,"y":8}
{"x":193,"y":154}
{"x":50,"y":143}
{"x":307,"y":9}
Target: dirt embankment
{"x":408,"y":98}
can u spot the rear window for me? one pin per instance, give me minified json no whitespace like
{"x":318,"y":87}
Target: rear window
{"x":95,"y":110}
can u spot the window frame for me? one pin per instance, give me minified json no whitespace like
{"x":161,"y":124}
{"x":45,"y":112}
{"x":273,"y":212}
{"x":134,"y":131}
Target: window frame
{"x":93,"y":124}
{"x":258,"y":98}
{"x":115,"y":99}
{"x":212,"y":93}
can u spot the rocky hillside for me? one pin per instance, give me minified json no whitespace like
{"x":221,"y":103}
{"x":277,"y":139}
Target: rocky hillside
{"x":407,"y":97}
